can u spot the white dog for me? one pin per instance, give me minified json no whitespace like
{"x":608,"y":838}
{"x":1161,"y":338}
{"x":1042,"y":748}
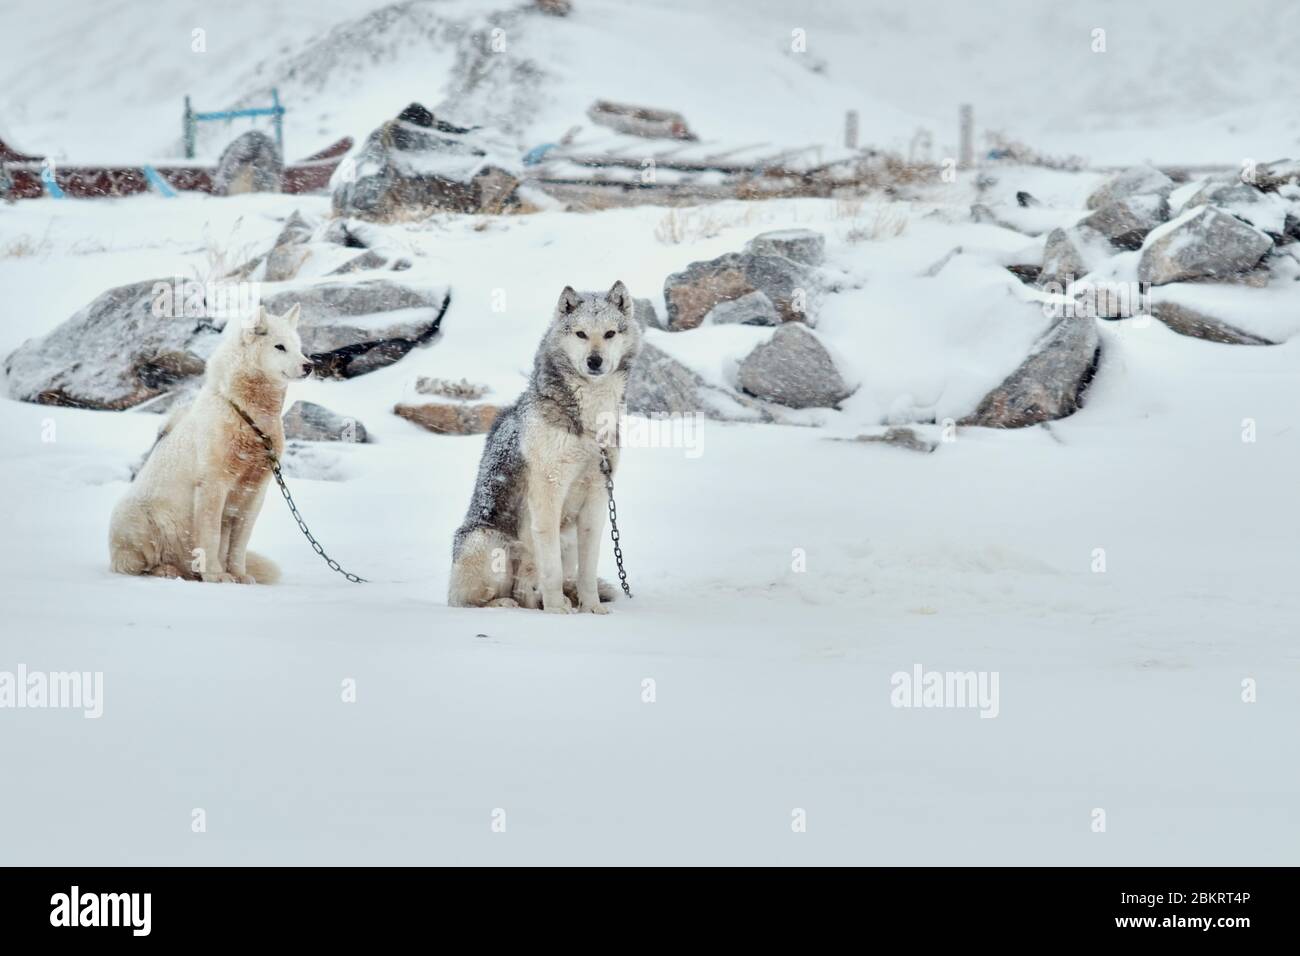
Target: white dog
{"x":190,"y":511}
{"x":533,"y":531}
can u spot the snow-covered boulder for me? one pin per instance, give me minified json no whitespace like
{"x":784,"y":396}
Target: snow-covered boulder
{"x":806,"y":246}
{"x":1134,"y":181}
{"x":1126,"y":221}
{"x":1202,"y":243}
{"x":416,"y":164}
{"x":250,"y":164}
{"x":755,"y":308}
{"x":793,"y":369}
{"x":661,"y":385}
{"x":1070,"y":254}
{"x":1049,"y":384}
{"x":287,"y":255}
{"x":350,"y":328}
{"x":692,"y":293}
{"x":307,"y":421}
{"x":644,"y":311}
{"x":120,"y":350}
{"x":1188,"y":321}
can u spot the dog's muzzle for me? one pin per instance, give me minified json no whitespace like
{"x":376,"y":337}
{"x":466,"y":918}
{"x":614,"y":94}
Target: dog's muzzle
{"x":594,"y":363}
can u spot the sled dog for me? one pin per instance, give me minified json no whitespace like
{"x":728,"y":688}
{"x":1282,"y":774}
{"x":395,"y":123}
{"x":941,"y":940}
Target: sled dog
{"x":190,"y":511}
{"x":533,"y":531}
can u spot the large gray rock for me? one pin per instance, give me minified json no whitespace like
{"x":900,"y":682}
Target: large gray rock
{"x":644,"y":311}
{"x":1135,"y":181}
{"x":802,"y":245}
{"x":1188,"y":321}
{"x":793,"y":369}
{"x":307,"y":421}
{"x":251,"y":163}
{"x":144,"y":340}
{"x":287,"y":255}
{"x":416,"y":164}
{"x":752,"y":309}
{"x":350,"y":328}
{"x":1049,"y":384}
{"x":1070,"y":254}
{"x":122,"y":349}
{"x":1224,"y":192}
{"x":692,"y":293}
{"x":661,"y":385}
{"x":1203,"y":243}
{"x":1126,"y":221}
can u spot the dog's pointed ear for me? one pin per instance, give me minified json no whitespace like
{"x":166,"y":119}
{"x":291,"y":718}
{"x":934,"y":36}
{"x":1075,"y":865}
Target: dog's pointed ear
{"x":254,"y":325}
{"x":619,"y":297}
{"x":293,"y":315}
{"x":569,"y":302}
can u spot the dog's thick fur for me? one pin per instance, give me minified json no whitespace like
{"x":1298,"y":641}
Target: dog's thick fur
{"x":190,"y":511}
{"x":533,"y":532}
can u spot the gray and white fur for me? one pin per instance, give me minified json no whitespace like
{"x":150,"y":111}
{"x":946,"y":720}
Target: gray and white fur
{"x":533,"y":532}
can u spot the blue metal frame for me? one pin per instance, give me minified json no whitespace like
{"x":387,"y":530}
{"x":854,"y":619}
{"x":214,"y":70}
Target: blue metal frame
{"x":275,"y":110}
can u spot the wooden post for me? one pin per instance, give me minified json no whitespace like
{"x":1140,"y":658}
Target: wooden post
{"x":851,"y":129}
{"x":279,"y":120}
{"x":189,"y":130}
{"x":966,"y":117}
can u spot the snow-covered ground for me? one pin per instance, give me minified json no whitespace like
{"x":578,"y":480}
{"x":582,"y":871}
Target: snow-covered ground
{"x":1128,"y":573}
{"x":1119,"y":690}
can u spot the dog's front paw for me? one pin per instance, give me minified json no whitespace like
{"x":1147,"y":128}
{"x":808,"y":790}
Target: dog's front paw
{"x":218,"y":577}
{"x":245,"y":579}
{"x":594,"y":609}
{"x":559,"y":605}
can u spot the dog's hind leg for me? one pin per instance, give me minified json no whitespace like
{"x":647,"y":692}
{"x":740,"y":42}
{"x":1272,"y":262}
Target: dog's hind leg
{"x":480,"y":570}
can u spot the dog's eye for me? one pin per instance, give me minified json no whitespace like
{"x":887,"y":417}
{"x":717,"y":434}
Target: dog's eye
{"x":281,"y":348}
{"x":609,"y":334}
{"x":581,"y":335}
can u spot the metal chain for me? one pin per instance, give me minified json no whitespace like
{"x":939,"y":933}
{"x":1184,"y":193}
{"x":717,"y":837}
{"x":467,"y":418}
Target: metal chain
{"x":608,"y":471}
{"x":288,"y":498}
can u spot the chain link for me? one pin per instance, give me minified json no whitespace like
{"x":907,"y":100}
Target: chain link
{"x":608,"y":471}
{"x":288,"y":498}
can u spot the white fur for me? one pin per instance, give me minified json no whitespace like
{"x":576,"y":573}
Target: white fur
{"x":190,"y":511}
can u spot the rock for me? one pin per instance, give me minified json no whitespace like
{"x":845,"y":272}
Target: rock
{"x":899,"y":438}
{"x":1202,"y":243}
{"x":287,"y":255}
{"x":692,"y":293}
{"x":640,"y":120}
{"x":556,"y":8}
{"x":752,"y":309}
{"x":644,"y":311}
{"x":350,"y":328}
{"x":450,"y":418}
{"x":1070,"y":254}
{"x":415,"y":164}
{"x":250,"y":164}
{"x":307,"y":421}
{"x":122,"y":349}
{"x":661,"y":385}
{"x":464,"y":390}
{"x":1126,"y":221}
{"x":1188,"y":321}
{"x":802,"y":245}
{"x":1135,"y":181}
{"x":1049,"y":384}
{"x":137,"y":342}
{"x":793,"y":369}
{"x":367,"y":260}
{"x":1271,"y":177}
{"x":1224,"y":192}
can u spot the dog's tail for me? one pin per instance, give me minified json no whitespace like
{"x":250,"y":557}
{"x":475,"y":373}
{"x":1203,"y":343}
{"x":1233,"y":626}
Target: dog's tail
{"x":262,"y":569}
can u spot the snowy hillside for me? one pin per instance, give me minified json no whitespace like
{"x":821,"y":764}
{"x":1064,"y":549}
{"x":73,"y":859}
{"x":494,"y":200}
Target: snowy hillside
{"x":1178,"y":81}
{"x":1124,"y":565}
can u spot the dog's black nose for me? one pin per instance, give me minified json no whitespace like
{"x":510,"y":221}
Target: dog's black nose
{"x":307,"y":367}
{"x":594,"y":362}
